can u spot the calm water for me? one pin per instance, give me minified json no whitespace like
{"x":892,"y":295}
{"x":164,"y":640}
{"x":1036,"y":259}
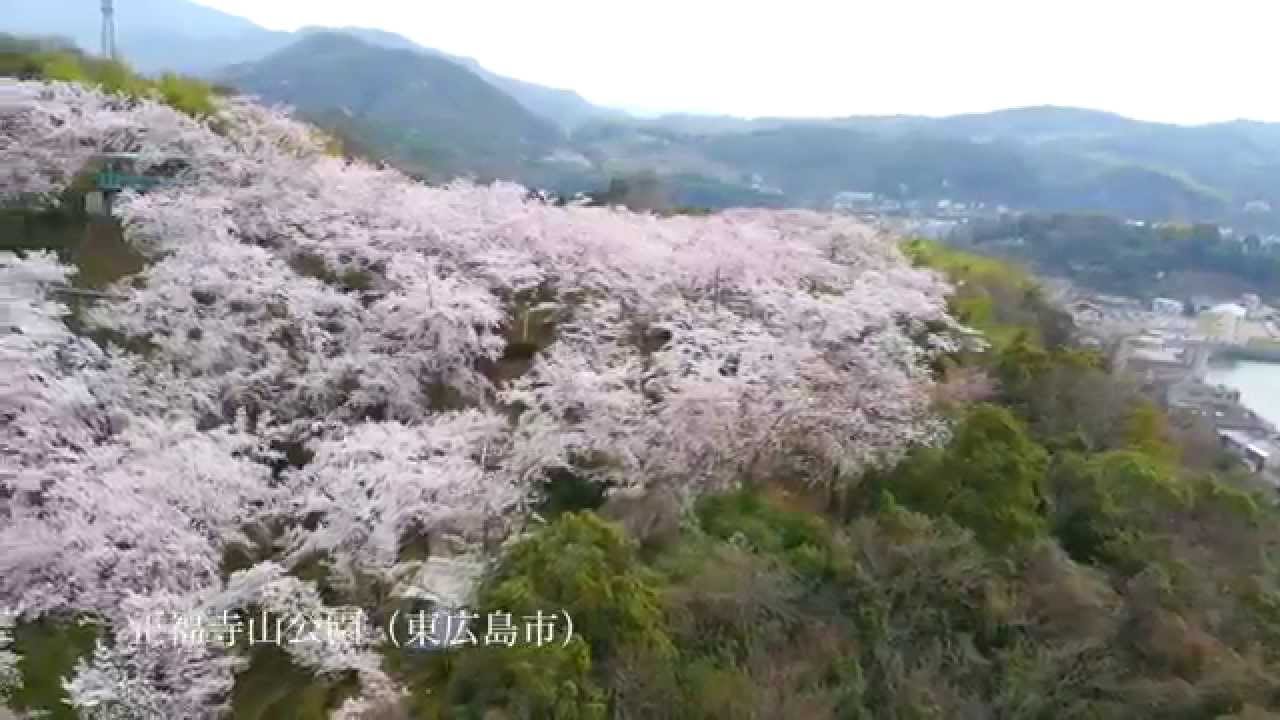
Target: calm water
{"x":1258,"y":383}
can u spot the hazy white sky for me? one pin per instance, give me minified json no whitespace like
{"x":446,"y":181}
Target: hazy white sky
{"x":1173,"y":60}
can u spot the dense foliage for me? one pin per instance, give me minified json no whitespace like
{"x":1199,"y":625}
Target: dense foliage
{"x":1065,"y":555}
{"x":329,"y":383}
{"x":1040,"y":158}
{"x":49,"y":60}
{"x":752,"y":455}
{"x":1131,"y":258}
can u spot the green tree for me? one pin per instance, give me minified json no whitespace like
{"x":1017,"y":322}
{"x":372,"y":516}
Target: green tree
{"x":997,"y":473}
{"x":640,"y":192}
{"x":1107,"y":502}
{"x":988,"y":479}
{"x":1147,"y":431}
{"x":585,"y":568}
{"x":45,"y":60}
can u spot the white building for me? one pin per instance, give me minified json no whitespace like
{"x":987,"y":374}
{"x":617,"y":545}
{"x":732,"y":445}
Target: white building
{"x":1222,"y":322}
{"x":1166,"y":306}
{"x":1257,"y":453}
{"x":850,"y":201}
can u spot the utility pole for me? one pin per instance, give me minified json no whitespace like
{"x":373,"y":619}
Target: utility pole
{"x":109,"y":30}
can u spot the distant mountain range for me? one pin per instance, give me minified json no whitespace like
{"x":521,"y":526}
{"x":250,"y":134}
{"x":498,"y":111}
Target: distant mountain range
{"x":183,"y":36}
{"x":441,"y":116}
{"x":435,"y":116}
{"x":1040,"y":158}
{"x":565,"y":108}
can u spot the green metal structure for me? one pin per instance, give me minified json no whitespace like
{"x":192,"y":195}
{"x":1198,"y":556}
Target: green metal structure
{"x":117,"y":173}
{"x":115,"y":181}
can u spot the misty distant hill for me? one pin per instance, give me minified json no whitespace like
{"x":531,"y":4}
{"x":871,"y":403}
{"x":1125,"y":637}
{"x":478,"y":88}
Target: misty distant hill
{"x":565,"y":108}
{"x":154,"y":35}
{"x":442,"y":115}
{"x":430,"y":114}
{"x":183,"y":36}
{"x":1031,"y":124}
{"x":1048,"y":158}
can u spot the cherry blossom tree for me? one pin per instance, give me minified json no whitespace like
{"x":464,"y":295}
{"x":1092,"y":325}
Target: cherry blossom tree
{"x":821,"y":357}
{"x":143,"y":674}
{"x":377,"y":484}
{"x":151,"y":511}
{"x":268,"y":587}
{"x":312,"y":354}
{"x":168,"y":661}
{"x":48,"y":132}
{"x":49,"y":409}
{"x":9,"y":677}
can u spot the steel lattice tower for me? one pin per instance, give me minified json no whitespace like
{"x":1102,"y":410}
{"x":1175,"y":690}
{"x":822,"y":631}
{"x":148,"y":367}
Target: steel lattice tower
{"x":109,"y":29}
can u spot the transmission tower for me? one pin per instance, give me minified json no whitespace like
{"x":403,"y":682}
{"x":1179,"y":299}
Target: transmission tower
{"x":109,"y":29}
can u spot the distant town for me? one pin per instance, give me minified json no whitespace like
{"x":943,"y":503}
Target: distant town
{"x":937,"y":219}
{"x":1167,"y":345}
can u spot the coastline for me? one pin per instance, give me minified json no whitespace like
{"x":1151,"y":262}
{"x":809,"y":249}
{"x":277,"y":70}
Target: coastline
{"x":1253,"y":379}
{"x":1269,"y":354}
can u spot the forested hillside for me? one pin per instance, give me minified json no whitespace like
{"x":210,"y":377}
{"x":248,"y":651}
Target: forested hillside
{"x":1131,"y":259}
{"x":159,"y":36}
{"x":1045,"y":158}
{"x":330,"y":384}
{"x":1051,"y":159}
{"x":564,"y":108}
{"x":51,"y":59}
{"x":771,"y":464}
{"x":433,"y":116}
